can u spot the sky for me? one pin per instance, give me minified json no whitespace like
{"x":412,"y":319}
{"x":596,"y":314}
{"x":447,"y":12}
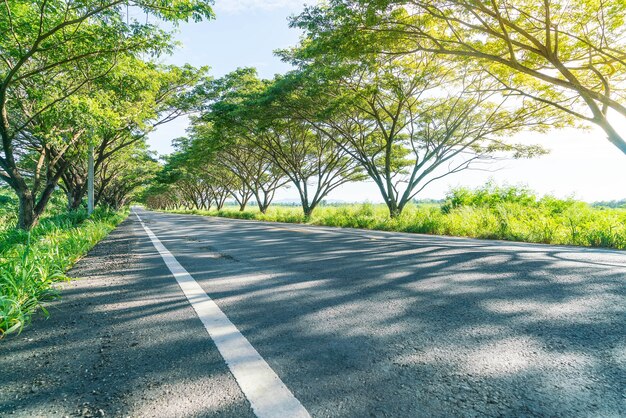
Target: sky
{"x":581,"y":164}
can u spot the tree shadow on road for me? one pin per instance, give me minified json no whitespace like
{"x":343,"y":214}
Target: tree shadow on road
{"x":419,"y":325}
{"x":356,"y":323}
{"x":122,"y":341}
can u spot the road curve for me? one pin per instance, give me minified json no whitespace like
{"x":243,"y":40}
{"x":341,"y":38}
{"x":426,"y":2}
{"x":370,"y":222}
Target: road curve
{"x":355,"y":323}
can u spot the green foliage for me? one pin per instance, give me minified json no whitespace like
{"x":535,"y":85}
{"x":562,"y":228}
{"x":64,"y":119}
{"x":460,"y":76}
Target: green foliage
{"x":533,"y":50}
{"x":8,"y":208}
{"x":489,"y":212}
{"x":74,"y":74}
{"x":610,"y":204}
{"x":31,"y":262}
{"x":489,"y":195}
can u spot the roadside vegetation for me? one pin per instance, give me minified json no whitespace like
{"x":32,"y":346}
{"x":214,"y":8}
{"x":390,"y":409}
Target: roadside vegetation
{"x":397,"y":93}
{"x":78,"y":80}
{"x":76,"y":75}
{"x":403,"y":94}
{"x":490,"y":212}
{"x":32,"y":262}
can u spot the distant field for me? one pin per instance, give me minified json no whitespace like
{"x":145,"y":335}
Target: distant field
{"x":507,"y":214}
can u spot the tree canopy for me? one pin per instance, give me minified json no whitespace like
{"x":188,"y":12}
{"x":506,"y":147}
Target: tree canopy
{"x":55,"y":56}
{"x":568,"y":54}
{"x":400,"y":93}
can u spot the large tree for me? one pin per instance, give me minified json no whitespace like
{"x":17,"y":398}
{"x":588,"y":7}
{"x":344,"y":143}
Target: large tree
{"x":253,"y":110}
{"x":570,"y":54}
{"x":410,"y":121}
{"x":125,"y":106}
{"x":314,"y":164}
{"x":50,"y":50}
{"x":256,"y":172}
{"x":123,"y":177}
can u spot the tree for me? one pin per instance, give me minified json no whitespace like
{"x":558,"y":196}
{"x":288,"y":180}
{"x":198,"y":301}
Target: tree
{"x":255,"y":171}
{"x":123,"y":177}
{"x":190,"y":180}
{"x":50,"y":50}
{"x":126,"y":105}
{"x":568,"y":54}
{"x":410,"y":121}
{"x":314,"y":164}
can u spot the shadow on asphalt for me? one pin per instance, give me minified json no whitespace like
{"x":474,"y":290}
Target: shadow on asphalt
{"x":121,"y":342}
{"x":359,"y":323}
{"x":355,"y":323}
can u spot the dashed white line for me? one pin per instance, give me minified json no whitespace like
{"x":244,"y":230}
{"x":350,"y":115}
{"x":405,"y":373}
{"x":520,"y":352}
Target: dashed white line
{"x":267,"y":394}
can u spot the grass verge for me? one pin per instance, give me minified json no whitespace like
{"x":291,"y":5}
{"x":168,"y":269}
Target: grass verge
{"x":30,"y":263}
{"x":547,"y":220}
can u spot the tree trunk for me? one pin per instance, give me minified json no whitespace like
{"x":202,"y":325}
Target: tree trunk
{"x":244,"y":203}
{"x":74,"y":198}
{"x":308,"y":210}
{"x":613,"y":136}
{"x":261,"y":204}
{"x":26,"y":214}
{"x":394,"y":209}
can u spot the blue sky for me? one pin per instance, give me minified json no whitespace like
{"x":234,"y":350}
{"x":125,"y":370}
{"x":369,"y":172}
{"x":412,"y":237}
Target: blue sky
{"x":245,"y":34}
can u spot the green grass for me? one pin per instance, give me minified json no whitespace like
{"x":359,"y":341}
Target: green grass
{"x":508,"y":213}
{"x":8,"y":209}
{"x":31,"y":263}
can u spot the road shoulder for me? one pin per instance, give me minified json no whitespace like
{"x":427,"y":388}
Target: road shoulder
{"x":121,"y":341}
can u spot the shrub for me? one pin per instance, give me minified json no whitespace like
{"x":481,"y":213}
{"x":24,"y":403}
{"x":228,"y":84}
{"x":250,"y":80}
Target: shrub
{"x":489,"y":195}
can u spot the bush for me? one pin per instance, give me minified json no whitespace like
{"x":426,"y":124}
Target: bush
{"x":489,"y":195}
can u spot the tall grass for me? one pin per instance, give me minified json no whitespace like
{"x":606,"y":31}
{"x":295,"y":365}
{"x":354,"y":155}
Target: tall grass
{"x":490,"y":212}
{"x":8,"y":209}
{"x":30,"y":263}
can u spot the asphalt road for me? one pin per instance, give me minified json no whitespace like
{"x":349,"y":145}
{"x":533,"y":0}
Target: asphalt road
{"x":355,"y":323}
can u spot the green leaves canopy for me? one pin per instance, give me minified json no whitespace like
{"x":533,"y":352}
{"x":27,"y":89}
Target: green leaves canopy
{"x":568,"y":54}
{"x":51,"y":51}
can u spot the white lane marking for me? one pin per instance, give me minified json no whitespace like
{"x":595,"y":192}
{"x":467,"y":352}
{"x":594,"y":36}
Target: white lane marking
{"x":268,"y":395}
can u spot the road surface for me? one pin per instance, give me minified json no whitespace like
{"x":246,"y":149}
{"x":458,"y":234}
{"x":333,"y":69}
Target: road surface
{"x":353,"y":323}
